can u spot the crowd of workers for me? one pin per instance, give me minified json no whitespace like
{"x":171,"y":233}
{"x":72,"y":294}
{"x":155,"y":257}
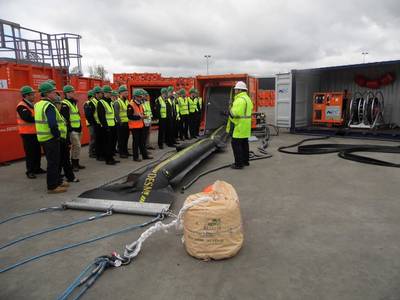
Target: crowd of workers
{"x":54,"y":123}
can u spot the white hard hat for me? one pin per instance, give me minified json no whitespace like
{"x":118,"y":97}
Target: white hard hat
{"x":240,"y":85}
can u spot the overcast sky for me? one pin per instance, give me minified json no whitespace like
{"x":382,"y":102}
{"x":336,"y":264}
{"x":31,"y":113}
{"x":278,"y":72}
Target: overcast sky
{"x":256,"y":37}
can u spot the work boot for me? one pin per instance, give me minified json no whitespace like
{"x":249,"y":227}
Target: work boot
{"x":30,"y":175}
{"x":64,"y":184}
{"x":110,"y":162}
{"x":80,"y":166}
{"x":75,"y":166}
{"x":148,"y":157}
{"x":137,"y":159}
{"x":74,"y":180}
{"x":151,"y":148}
{"x":40,"y":171}
{"x":57,"y":190}
{"x":235,"y":166}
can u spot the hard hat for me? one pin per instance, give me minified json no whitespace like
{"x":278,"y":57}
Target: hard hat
{"x":46,"y":87}
{"x":192,"y":90}
{"x":240,"y":85}
{"x":97,"y":89}
{"x":137,"y":93}
{"x":122,"y":88}
{"x":182,"y":92}
{"x":145,"y":92}
{"x":68,"y":89}
{"x":51,"y":81}
{"x":164,"y":90}
{"x":107,"y":89}
{"x":26,"y":90}
{"x":170,"y":88}
{"x":90,"y":93}
{"x":114,"y":93}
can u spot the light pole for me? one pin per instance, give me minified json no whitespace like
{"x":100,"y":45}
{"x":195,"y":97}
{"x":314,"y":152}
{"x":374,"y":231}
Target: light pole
{"x":207,"y":56}
{"x":364,"y":53}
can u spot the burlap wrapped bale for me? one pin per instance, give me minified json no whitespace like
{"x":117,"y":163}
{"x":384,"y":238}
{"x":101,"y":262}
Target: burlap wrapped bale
{"x":213,"y":229}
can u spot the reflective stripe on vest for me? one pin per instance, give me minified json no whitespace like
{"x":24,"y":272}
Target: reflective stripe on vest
{"x":183,"y":106}
{"x":23,"y":126}
{"x":138,"y":110}
{"x":147,"y":109}
{"x":109,"y":113}
{"x":42,"y":126}
{"x":163,"y":108}
{"x":192,"y":105}
{"x":74,"y":117}
{"x":123,"y":110}
{"x":95,"y":103}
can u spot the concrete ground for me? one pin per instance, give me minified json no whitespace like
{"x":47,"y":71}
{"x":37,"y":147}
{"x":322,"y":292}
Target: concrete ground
{"x":316,"y":227}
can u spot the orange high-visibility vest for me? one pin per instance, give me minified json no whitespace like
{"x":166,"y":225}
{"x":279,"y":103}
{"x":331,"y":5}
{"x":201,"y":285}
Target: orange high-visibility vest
{"x":134,"y":124}
{"x":23,"y":126}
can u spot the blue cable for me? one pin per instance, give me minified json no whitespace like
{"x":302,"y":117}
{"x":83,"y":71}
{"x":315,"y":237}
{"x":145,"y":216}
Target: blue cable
{"x":70,"y":246}
{"x":36,"y":211}
{"x":23,"y":238}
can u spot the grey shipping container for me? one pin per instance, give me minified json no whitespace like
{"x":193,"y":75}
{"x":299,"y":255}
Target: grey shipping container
{"x":295,"y":90}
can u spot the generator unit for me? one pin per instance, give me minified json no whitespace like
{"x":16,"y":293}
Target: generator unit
{"x":329,"y":109}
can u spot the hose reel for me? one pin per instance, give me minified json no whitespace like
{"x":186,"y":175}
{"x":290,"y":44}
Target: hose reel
{"x":366,"y":110}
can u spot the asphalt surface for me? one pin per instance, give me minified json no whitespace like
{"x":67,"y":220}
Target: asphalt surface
{"x":316,"y":227}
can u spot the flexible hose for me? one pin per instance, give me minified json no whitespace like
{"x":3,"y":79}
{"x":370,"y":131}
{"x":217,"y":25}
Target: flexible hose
{"x":74,"y":245}
{"x":33,"y":212}
{"x":59,"y":227}
{"x":346,"y":151}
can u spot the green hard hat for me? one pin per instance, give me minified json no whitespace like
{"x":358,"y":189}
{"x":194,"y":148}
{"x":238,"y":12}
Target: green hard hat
{"x":46,"y":87}
{"x":68,"y":89}
{"x":192,"y":90}
{"x":164,"y":90}
{"x":114,"y":93}
{"x":90,"y":93}
{"x":26,"y":90}
{"x":97,"y":89}
{"x":137,"y":93}
{"x":182,"y":92}
{"x":170,"y":88}
{"x":122,"y":88}
{"x":51,"y":81}
{"x":107,"y":89}
{"x":146,"y":93}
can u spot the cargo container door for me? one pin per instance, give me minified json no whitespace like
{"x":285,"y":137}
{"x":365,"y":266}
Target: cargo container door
{"x":217,"y":100}
{"x":283,"y":100}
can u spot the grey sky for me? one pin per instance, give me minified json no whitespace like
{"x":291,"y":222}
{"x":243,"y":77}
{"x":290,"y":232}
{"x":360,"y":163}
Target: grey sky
{"x":255,"y":37}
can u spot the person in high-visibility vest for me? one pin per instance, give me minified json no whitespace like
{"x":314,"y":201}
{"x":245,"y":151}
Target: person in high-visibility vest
{"x":105,"y":113}
{"x":136,"y":125}
{"x":239,"y":125}
{"x":121,"y":117}
{"x":199,"y":112}
{"x":50,"y":128}
{"x":70,"y":112}
{"x":192,"y":102}
{"x":184,"y":114}
{"x":146,"y":104}
{"x":160,"y":112}
{"x":172,"y":115}
{"x":114,"y":98}
{"x":27,"y":131}
{"x":99,"y":133}
{"x":89,"y":108}
{"x":177,"y":124}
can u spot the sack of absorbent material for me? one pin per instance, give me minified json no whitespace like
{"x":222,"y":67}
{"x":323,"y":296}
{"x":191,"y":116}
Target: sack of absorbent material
{"x":213,"y":229}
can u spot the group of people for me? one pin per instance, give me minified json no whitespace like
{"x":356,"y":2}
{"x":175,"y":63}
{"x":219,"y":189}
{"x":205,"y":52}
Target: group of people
{"x":54,"y":123}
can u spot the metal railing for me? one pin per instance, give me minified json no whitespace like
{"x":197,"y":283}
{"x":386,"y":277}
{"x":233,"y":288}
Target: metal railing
{"x":25,"y":45}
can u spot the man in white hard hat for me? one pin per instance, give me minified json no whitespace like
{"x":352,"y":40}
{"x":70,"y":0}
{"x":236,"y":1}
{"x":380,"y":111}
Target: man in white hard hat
{"x":239,"y":125}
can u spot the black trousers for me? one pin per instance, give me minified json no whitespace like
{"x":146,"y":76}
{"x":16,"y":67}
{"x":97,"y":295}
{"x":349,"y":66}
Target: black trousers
{"x":146,"y":135}
{"x":240,"y":149}
{"x":192,"y":124}
{"x":123,"y":137}
{"x":65,"y":161}
{"x":198,"y":121}
{"x":109,"y":143}
{"x":177,"y":128}
{"x":99,"y":141}
{"x":184,"y":132}
{"x":169,"y":132}
{"x":162,"y":128}
{"x":52,"y":151}
{"x":114,"y":139}
{"x":32,"y":152}
{"x":139,"y":142}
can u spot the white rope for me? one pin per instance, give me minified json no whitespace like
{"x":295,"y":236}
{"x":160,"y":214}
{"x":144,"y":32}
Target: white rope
{"x":132,"y":250}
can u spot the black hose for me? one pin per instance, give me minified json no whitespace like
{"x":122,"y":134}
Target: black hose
{"x":253,"y":157}
{"x":345,"y":151}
